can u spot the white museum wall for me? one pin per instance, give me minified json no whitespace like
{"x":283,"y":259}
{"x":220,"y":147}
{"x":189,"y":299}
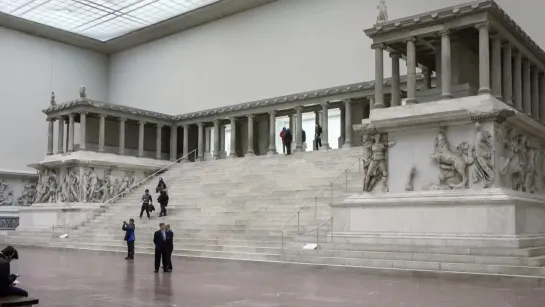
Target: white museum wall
{"x":31,"y":68}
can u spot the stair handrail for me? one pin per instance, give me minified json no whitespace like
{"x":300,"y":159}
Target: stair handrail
{"x":127,"y":190}
{"x":329,"y":186}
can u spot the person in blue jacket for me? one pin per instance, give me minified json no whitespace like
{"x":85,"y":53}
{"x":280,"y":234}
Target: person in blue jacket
{"x":129,"y":237}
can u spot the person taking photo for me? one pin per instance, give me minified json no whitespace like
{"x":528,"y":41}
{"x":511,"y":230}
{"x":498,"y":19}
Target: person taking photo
{"x":129,"y":237}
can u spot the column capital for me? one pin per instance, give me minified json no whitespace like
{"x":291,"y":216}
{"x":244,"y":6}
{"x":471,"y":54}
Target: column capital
{"x":160,"y":126}
{"x":395,"y":55}
{"x":186,"y":126}
{"x":378,"y":46}
{"x":273,"y":112}
{"x":141,"y":122}
{"x":83,"y":113}
{"x":201,"y":124}
{"x":121,"y":119}
{"x":507,"y":45}
{"x":250,"y":115}
{"x":102,"y":115}
{"x":49,"y":119}
{"x":444,"y":32}
{"x":347,"y":100}
{"x":71,"y":115}
{"x":483,"y":25}
{"x":411,"y":39}
{"x":324,"y":104}
{"x":298,"y":108}
{"x":59,"y":118}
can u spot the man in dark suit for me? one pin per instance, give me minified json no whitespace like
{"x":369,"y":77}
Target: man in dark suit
{"x":160,"y":241}
{"x":170,"y":246}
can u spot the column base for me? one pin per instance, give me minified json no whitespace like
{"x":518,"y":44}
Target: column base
{"x":411,"y":101}
{"x":249,"y":153}
{"x":484,"y":91}
{"x":101,"y":150}
{"x":299,"y":148}
{"x":272,"y":151}
{"x":378,"y":106}
{"x":325,"y":147}
{"x":446,"y":96}
{"x":200,"y":158}
{"x":49,"y":154}
{"x":232,"y":155}
{"x":217,"y":158}
{"x":60,"y":152}
{"x":347,"y":145}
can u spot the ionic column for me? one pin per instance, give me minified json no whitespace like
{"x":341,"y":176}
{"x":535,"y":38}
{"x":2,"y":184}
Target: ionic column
{"x":535,"y":92}
{"x":507,"y":75}
{"x":411,"y":72}
{"x":446,"y":70}
{"x":82,"y":130}
{"x":517,"y":81}
{"x":317,"y":119}
{"x":217,"y":139}
{"x":272,"y":133}
{"x":174,"y":142}
{"x":542,"y":98}
{"x":347,"y":123}
{"x":122,"y":122}
{"x":299,"y":139}
{"x":325,"y":133}
{"x":233,"y":140}
{"x":526,"y":88}
{"x":60,"y":139}
{"x":396,"y":90}
{"x":158,"y":141}
{"x":379,"y":76}
{"x":496,"y":67}
{"x":101,"y":132}
{"x":250,"y":151}
{"x":427,"y":77}
{"x":50,"y":132}
{"x":222,"y":141}
{"x":200,"y":145}
{"x":141,"y":138}
{"x":185,"y":149}
{"x":484,"y":59}
{"x":70,"y":132}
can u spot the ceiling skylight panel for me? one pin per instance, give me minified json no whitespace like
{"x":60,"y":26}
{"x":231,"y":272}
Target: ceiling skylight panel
{"x":99,"y":19}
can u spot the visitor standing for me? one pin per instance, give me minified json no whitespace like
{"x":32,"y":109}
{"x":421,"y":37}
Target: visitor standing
{"x":170,"y":246}
{"x":129,"y":237}
{"x":318,"y":136}
{"x":160,"y":241}
{"x":163,"y":202}
{"x":161,"y":186}
{"x":304,"y":140}
{"x":282,"y":136}
{"x":288,"y":138}
{"x":146,"y":202}
{"x":6,"y":278}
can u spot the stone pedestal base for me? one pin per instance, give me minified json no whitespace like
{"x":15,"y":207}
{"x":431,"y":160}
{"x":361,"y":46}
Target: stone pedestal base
{"x":41,"y":217}
{"x":455,"y":218}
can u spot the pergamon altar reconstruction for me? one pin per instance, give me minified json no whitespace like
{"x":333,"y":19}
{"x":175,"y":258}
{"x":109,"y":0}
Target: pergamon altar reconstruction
{"x":433,"y":167}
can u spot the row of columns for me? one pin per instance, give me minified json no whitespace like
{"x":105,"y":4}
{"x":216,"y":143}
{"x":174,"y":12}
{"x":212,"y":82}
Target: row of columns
{"x":70,"y":119}
{"x":516,"y":81}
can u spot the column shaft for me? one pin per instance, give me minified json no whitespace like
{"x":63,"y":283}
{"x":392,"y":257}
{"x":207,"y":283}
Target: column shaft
{"x":347,"y":123}
{"x":446,"y":70}
{"x":50,"y":132}
{"x":542,"y":98}
{"x":496,"y":67}
{"x":535,"y":92}
{"x":396,"y":90}
{"x":507,"y":75}
{"x":484,"y":59}
{"x":411,"y":72}
{"x":185,"y":148}
{"x":272,"y":133}
{"x":174,"y":142}
{"x":250,"y":151}
{"x":141,"y":138}
{"x":60,"y":139}
{"x":158,"y":142}
{"x":325,"y":132}
{"x":101,"y":132}
{"x":299,"y":139}
{"x":379,"y":76}
{"x":71,"y":132}
{"x":517,"y":81}
{"x":216,"y":139}
{"x":526,"y":88}
{"x":122,"y":136}
{"x":233,"y":139}
{"x":82,"y":130}
{"x":200,"y":145}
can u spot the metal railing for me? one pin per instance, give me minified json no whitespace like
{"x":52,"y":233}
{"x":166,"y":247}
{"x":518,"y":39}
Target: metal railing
{"x":314,"y":200}
{"x":87,"y":216}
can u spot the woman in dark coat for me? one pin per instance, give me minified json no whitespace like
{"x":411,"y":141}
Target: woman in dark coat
{"x":161,"y":186}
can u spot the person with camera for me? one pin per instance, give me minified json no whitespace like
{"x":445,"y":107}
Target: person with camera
{"x":6,"y":278}
{"x":129,"y":237}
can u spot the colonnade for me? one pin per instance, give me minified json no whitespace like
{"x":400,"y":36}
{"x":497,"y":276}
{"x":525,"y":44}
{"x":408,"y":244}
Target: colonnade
{"x":217,"y":125}
{"x":504,"y":72}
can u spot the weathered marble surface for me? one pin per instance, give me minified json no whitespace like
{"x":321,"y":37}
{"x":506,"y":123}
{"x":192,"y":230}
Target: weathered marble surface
{"x":68,"y":280}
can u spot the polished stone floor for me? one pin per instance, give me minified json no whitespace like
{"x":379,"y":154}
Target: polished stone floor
{"x":76,"y":278}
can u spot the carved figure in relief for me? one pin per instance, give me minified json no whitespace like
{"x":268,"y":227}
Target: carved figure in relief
{"x":73,"y":186}
{"x":378,"y":168}
{"x":52,"y":101}
{"x":483,"y":172}
{"x":52,"y":194}
{"x":107,"y":188}
{"x":515,"y":165}
{"x":367,"y":154}
{"x":452,"y":164}
{"x":62,"y":190}
{"x":8,"y":200}
{"x":409,"y":185}
{"x":382,"y":12}
{"x":48,"y":189}
{"x":532,"y":161}
{"x":123,"y":186}
{"x":28,"y":195}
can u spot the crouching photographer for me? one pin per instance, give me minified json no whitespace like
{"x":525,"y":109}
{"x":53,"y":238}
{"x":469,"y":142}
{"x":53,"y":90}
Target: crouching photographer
{"x":7,"y":288}
{"x":129,"y":237}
